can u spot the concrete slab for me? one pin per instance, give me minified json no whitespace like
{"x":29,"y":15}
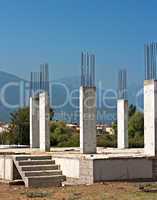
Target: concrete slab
{"x":108,"y":164}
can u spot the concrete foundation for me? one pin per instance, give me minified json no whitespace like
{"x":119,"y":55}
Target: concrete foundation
{"x":87,"y":120}
{"x":34,"y":122}
{"x":109,"y":165}
{"x":126,"y":169}
{"x":8,"y":171}
{"x":122,"y":119}
{"x":114,"y":165}
{"x":150,"y":117}
{"x":44,"y":122}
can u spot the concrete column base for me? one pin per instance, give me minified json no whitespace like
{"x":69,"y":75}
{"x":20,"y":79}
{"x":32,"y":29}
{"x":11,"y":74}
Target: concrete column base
{"x":44,"y":122}
{"x":34,"y":122}
{"x":87,"y":120}
{"x":122,"y":120}
{"x":150,"y":117}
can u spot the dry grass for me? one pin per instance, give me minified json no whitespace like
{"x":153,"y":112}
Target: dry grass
{"x":103,"y":191}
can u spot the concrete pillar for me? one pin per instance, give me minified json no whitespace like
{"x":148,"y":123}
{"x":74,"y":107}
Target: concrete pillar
{"x":122,"y":121}
{"x":34,"y":122}
{"x":150,"y":117}
{"x":44,"y":121}
{"x":87,"y":120}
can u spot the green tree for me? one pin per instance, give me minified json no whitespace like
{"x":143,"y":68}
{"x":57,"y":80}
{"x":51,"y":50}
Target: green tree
{"x":136,"y":130}
{"x":107,"y":140}
{"x":18,"y":131}
{"x":62,"y":136}
{"x":51,"y":114}
{"x":19,"y":126}
{"x":132,"y":110}
{"x":7,"y":138}
{"x":114,"y":127}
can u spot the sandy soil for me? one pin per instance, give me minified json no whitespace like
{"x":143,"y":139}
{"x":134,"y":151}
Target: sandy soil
{"x":103,"y":191}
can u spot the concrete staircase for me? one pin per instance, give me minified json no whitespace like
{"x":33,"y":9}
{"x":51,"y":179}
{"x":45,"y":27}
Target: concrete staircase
{"x":39,"y":171}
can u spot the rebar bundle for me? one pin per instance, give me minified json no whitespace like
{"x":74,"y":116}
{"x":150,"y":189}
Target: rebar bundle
{"x":87,"y":70}
{"x":122,"y":84}
{"x":150,"y":54}
{"x":40,"y":80}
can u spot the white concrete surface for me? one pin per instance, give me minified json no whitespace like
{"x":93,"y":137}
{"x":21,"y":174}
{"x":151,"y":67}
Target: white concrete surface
{"x":69,"y":166}
{"x":2,"y":164}
{"x":6,"y":168}
{"x":34,"y":122}
{"x":87,"y":120}
{"x":102,"y":153}
{"x":44,"y":122}
{"x":122,"y":121}
{"x":150,"y":117}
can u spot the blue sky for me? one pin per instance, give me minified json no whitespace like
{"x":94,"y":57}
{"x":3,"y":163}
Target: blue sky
{"x":56,"y":31}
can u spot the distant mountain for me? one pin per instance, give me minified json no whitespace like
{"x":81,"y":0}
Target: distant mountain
{"x":68,"y":88}
{"x":9,"y":94}
{"x":64,"y":97}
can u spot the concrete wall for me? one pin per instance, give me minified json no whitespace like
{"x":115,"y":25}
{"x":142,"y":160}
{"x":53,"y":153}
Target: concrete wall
{"x":88,"y":171}
{"x":34,"y":122}
{"x":87,"y":120}
{"x":69,"y":166}
{"x":6,"y":168}
{"x":150,"y":117}
{"x":122,"y":169}
{"x":77,"y":171}
{"x":154,"y":169}
{"x":44,"y":122}
{"x":122,"y":119}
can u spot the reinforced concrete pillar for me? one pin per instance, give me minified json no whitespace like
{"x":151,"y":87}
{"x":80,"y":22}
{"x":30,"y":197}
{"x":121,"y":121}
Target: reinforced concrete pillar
{"x":87,"y":120}
{"x":150,"y":117}
{"x":44,"y":122}
{"x":122,"y":120}
{"x":34,"y":122}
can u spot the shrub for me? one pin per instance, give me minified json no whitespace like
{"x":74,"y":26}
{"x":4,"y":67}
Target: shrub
{"x":62,"y":136}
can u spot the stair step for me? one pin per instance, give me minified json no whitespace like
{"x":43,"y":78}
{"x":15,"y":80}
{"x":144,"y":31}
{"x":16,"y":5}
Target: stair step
{"x":39,"y":167}
{"x":44,"y":181}
{"x":36,"y":162}
{"x":43,"y":173}
{"x":29,"y":157}
{"x":16,"y":182}
{"x":39,"y":171}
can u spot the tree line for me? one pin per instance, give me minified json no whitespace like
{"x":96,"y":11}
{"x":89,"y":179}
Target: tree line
{"x":63,"y":136}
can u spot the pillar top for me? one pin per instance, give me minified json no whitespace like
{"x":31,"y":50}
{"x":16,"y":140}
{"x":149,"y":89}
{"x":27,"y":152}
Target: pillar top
{"x":124,"y":100}
{"x":149,"y":82}
{"x":43,"y":93}
{"x":92,"y":87}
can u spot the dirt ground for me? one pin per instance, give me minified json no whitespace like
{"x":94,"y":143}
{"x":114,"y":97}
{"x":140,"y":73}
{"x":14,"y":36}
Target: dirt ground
{"x":102,"y":191}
